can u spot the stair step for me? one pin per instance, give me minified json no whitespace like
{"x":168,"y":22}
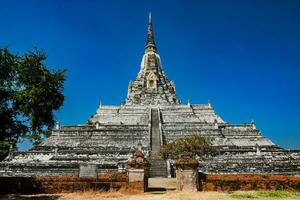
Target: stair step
{"x":158,"y":165}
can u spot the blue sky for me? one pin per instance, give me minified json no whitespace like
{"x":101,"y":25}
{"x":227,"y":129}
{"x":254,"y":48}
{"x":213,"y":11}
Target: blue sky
{"x":244,"y":56}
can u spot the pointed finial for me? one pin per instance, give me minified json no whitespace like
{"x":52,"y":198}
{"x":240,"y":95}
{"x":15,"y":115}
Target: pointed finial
{"x":150,"y":44}
{"x":150,"y":19}
{"x":139,"y":146}
{"x":57,"y":125}
{"x":252,"y":124}
{"x":100,"y":103}
{"x":209,"y":104}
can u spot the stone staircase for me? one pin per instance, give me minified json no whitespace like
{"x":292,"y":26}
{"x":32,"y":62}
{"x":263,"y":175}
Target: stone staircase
{"x":158,"y":165}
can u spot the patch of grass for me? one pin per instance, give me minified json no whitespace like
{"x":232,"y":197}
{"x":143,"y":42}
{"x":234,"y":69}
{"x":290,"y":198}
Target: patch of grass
{"x":244,"y":195}
{"x":276,"y":194}
{"x":265,"y":195}
{"x":159,"y":192}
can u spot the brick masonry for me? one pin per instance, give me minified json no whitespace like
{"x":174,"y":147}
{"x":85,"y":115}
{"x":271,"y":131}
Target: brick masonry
{"x":60,"y":184}
{"x":223,"y":182}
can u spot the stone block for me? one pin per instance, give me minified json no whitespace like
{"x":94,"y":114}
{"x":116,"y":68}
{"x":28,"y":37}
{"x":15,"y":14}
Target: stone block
{"x":187,"y":180}
{"x":137,"y":180}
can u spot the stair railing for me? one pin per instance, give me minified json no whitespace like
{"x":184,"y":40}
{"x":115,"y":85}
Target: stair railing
{"x":149,"y":128}
{"x":160,"y":128}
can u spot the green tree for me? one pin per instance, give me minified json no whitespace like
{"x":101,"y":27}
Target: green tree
{"x":195,"y":145}
{"x":29,"y":94}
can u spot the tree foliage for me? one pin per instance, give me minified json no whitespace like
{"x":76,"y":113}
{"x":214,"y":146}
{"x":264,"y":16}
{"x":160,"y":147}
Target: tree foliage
{"x":195,"y":144}
{"x":29,"y":94}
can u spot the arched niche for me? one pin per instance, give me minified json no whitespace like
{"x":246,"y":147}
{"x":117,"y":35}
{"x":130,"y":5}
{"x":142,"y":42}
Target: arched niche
{"x":151,"y":81}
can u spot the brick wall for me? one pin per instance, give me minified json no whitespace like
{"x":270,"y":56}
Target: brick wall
{"x":222,"y":182}
{"x":61,"y":183}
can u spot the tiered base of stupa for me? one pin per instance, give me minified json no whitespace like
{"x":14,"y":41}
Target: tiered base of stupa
{"x":111,"y":136}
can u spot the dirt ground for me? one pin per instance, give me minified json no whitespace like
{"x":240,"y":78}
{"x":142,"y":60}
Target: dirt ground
{"x":161,"y":189}
{"x":162,"y":195}
{"x":174,"y":195}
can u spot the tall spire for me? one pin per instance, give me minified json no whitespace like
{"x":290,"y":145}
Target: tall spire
{"x":150,"y":45}
{"x":151,"y":86}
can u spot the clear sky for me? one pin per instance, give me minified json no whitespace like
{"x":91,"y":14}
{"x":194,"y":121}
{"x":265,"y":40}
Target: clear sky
{"x":244,"y":56}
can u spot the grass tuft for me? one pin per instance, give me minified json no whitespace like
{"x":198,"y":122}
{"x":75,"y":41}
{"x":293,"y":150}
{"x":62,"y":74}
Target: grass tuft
{"x":239,"y":195}
{"x":275,"y":194}
{"x":265,"y":195}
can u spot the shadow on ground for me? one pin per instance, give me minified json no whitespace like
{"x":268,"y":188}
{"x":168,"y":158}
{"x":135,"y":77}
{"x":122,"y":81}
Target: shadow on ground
{"x":29,"y":197}
{"x":153,"y":189}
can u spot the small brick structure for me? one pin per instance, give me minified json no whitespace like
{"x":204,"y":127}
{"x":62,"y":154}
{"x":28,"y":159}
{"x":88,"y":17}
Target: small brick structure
{"x":187,"y":173}
{"x":138,"y":172}
{"x":231,"y":182}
